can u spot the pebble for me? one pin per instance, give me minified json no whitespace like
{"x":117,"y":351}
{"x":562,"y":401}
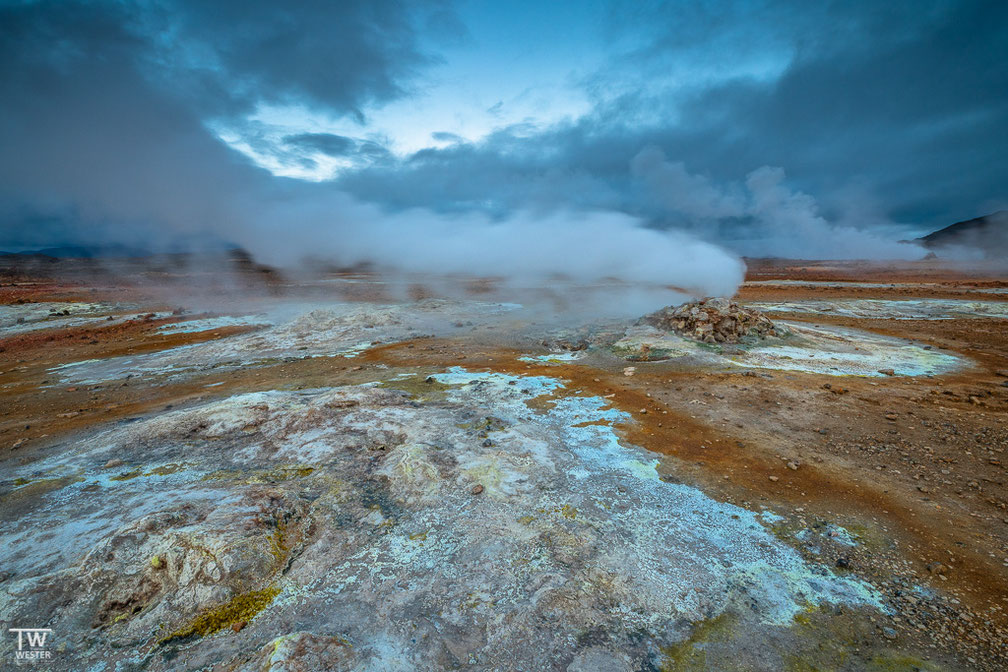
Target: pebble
{"x":937,"y":568}
{"x":774,"y":478}
{"x":477,"y":489}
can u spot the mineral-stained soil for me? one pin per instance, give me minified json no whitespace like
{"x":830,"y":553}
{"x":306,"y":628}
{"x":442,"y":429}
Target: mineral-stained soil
{"x":240,"y":471}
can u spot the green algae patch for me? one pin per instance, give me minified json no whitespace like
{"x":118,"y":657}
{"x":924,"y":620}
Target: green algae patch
{"x":164,"y":470}
{"x":243,"y":607}
{"x":566,"y":511}
{"x":843,"y":639}
{"x":786,"y":530}
{"x":128,"y":475}
{"x":869,"y":537}
{"x":804,"y":618}
{"x":486,"y":424}
{"x":689,"y":655}
{"x":646,"y":354}
{"x":280,"y":546}
{"x":26,"y":489}
{"x":419,"y":389}
{"x":277,"y":475}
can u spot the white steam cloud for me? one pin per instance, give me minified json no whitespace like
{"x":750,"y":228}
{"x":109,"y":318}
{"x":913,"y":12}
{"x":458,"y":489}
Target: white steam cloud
{"x":578,"y":247}
{"x":775,"y":220}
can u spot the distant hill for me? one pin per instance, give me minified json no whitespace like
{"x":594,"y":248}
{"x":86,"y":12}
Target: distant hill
{"x":82,"y":252}
{"x":988,"y":234}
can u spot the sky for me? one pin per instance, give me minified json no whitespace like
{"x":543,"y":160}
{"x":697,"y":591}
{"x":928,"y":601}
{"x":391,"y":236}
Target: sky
{"x":757,"y":128}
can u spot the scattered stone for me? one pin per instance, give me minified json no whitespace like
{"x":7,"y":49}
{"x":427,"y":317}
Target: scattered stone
{"x":793,"y":466}
{"x":843,"y":562}
{"x":774,"y":478}
{"x":887,"y":372}
{"x":712,"y":320}
{"x":477,"y":489}
{"x":937,"y":568}
{"x":238,"y":625}
{"x":487,"y":443}
{"x":629,"y":370}
{"x":113,"y":463}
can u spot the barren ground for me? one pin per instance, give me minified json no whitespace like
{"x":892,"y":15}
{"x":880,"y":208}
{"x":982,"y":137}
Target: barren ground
{"x":907,"y":471}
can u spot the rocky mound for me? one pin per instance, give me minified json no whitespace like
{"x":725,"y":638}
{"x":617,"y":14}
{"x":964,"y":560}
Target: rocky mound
{"x":712,"y":320}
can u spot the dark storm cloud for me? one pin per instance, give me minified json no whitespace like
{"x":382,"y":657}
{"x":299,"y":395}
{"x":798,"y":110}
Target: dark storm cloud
{"x":913,"y":106}
{"x":881,"y":111}
{"x":337,"y":56}
{"x":443,"y":136}
{"x":105,"y":135}
{"x":360,"y":151}
{"x":326,"y":143}
{"x":106,"y":104}
{"x":757,"y":123}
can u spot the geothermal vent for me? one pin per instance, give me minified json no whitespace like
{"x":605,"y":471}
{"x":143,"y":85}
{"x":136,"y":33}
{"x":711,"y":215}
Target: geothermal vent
{"x":712,"y":320}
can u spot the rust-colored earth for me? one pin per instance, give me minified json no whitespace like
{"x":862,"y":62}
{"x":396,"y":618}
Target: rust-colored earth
{"x":916,"y":464}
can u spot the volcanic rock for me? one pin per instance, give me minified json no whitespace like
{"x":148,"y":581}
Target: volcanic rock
{"x":712,"y":320}
{"x":988,"y":235}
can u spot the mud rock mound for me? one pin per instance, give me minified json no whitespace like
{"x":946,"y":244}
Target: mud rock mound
{"x":712,"y":320}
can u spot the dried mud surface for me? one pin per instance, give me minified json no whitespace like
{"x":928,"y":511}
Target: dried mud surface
{"x":450,"y":484}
